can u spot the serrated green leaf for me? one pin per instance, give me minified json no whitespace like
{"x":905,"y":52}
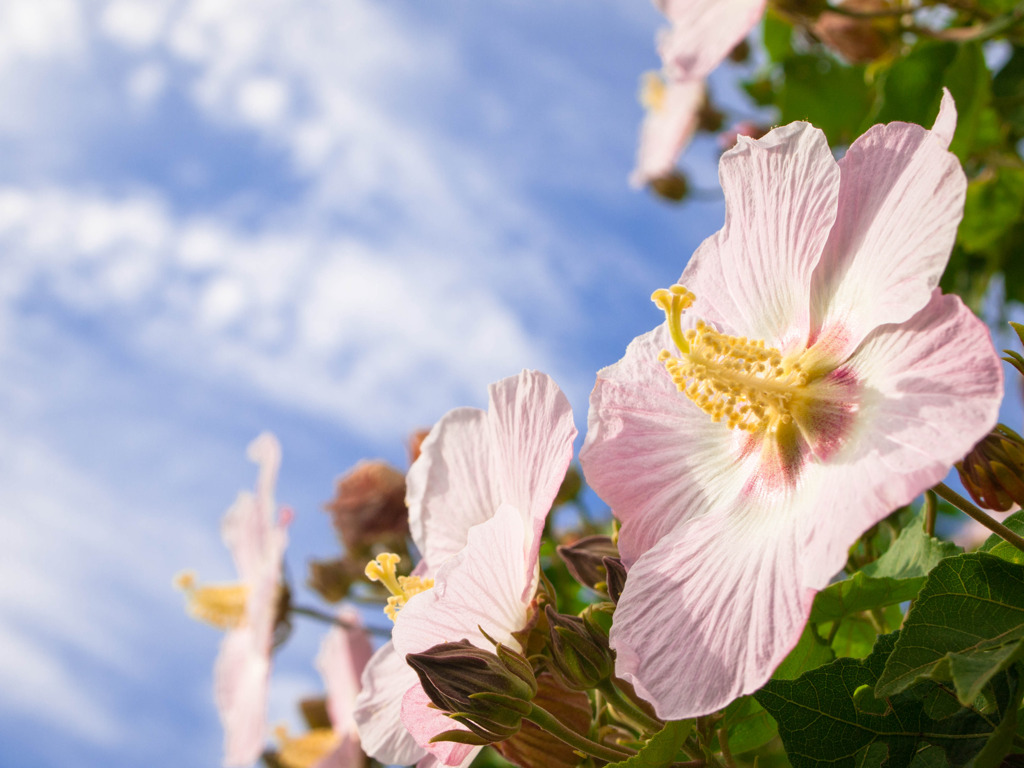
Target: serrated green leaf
{"x":821,"y":724}
{"x":966,"y":626}
{"x":895,"y":577}
{"x":661,"y":749}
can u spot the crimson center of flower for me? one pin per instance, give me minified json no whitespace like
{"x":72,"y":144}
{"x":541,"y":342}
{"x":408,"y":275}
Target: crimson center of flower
{"x":740,"y":381}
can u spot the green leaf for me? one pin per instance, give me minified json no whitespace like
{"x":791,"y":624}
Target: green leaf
{"x":826,"y":719}
{"x":1008,"y":91}
{"x":662,"y":748}
{"x":966,"y":626}
{"x":994,"y":203}
{"x":912,"y":87}
{"x":970,"y":84}
{"x":1000,"y":547}
{"x":840,"y":115}
{"x":748,"y":725}
{"x":778,"y":37}
{"x":811,"y":651}
{"x":895,"y":577}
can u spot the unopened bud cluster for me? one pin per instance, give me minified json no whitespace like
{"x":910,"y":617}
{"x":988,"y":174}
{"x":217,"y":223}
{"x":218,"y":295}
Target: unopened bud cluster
{"x":489,"y":693}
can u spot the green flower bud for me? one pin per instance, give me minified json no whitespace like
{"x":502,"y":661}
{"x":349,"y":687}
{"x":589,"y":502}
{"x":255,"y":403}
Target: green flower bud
{"x":993,"y":472}
{"x":580,"y":654}
{"x":487,"y":692}
{"x":585,"y":560}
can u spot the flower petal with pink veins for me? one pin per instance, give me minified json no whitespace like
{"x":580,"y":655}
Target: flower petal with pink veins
{"x":379,"y":706}
{"x":753,"y":276}
{"x":711,"y":610}
{"x":481,"y":586}
{"x":667,"y":129}
{"x":637,"y":418}
{"x":472,"y":462}
{"x":703,"y":33}
{"x":901,"y":198}
{"x":424,"y":722}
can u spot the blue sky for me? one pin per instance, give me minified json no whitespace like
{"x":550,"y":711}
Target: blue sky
{"x":331,"y":219}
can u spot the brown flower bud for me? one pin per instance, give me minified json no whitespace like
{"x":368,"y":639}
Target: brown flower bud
{"x":616,"y":577}
{"x":672,"y":187}
{"x":369,"y":507}
{"x":416,"y":442}
{"x":489,"y":693}
{"x":993,"y":472}
{"x":858,"y":40}
{"x":585,"y":560}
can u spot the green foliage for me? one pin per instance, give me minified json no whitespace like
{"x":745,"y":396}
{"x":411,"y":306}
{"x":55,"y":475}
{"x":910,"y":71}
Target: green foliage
{"x":662,"y":748}
{"x":966,"y":627}
{"x":895,"y":577}
{"x":1000,"y":547}
{"x":829,"y":717}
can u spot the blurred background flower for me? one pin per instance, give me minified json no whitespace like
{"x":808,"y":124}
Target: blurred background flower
{"x":333,"y":220}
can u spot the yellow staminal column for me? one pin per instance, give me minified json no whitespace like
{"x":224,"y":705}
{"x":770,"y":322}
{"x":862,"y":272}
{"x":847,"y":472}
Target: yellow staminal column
{"x":306,"y":750}
{"x":221,"y":605}
{"x":734,"y":379}
{"x":384,"y":569}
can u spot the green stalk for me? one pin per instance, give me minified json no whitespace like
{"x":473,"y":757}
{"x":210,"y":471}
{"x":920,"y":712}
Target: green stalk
{"x":556,"y":728}
{"x":628,"y":709}
{"x":973,"y":512}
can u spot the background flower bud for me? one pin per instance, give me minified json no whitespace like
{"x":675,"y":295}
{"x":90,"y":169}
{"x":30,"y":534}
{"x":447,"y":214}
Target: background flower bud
{"x":616,"y":577}
{"x":585,"y":560}
{"x":369,"y":507}
{"x":993,"y":472}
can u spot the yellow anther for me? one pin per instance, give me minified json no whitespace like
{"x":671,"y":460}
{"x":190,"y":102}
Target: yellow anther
{"x":731,"y":378}
{"x":383,"y":569}
{"x":306,"y":750}
{"x":652,"y":92}
{"x":221,"y":605}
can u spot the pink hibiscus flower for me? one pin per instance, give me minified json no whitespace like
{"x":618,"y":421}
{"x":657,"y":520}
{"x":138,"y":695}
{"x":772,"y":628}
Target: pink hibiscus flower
{"x":478,"y":497}
{"x":817,"y":381}
{"x":343,"y":656}
{"x":701,"y":36}
{"x":248,"y":609}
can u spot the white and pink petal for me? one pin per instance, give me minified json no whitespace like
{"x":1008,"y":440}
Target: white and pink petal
{"x":703,"y":33}
{"x":901,"y":198}
{"x":378,"y":709}
{"x":752,"y":278}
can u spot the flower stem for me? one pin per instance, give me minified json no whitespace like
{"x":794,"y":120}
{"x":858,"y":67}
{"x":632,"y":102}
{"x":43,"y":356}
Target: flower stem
{"x":628,"y":709}
{"x":931,"y":505}
{"x":973,"y":512}
{"x":556,"y":728}
{"x":326,"y":618}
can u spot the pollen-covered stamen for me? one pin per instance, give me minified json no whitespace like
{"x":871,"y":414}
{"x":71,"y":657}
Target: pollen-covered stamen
{"x":734,"y":379}
{"x":222,"y":605}
{"x":306,"y":750}
{"x":383,"y":569}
